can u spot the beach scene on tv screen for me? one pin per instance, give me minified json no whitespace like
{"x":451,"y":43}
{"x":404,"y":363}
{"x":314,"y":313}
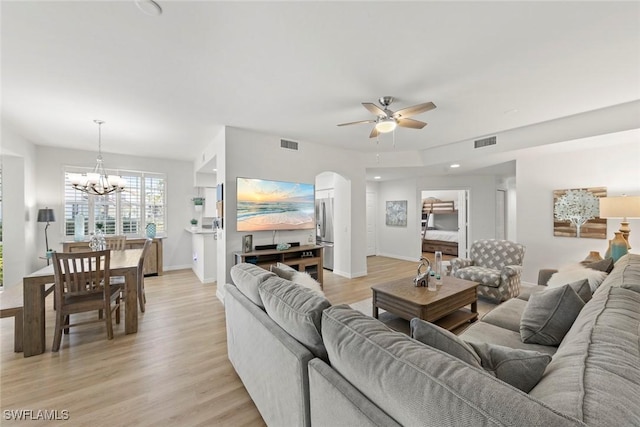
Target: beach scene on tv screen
{"x":274,"y":205}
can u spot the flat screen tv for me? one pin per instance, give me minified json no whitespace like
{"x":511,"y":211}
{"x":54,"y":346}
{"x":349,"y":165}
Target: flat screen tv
{"x":265,"y":205}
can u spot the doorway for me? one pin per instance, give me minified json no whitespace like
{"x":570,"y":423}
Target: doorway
{"x":444,"y":223}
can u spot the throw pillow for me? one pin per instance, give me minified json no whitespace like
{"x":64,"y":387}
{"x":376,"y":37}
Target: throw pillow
{"x":581,"y":287}
{"x":605,"y":265}
{"x":437,"y":337}
{"x":297,"y":277}
{"x":297,"y":310}
{"x":573,"y":273}
{"x":520,"y":368}
{"x":548,"y":315}
{"x":283,"y":270}
{"x":305,"y":280}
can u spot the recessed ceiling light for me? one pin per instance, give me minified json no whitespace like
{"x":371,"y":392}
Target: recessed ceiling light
{"x":455,"y":165}
{"x":215,"y":169}
{"x":149,"y":7}
{"x":377,"y":177}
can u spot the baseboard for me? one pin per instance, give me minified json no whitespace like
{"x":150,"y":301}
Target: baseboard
{"x":176,"y":267}
{"x":404,"y":258}
{"x":349,"y":275}
{"x":220,"y":295}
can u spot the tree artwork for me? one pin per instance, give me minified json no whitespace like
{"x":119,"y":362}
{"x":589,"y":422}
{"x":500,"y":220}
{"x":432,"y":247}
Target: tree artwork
{"x":577,"y":206}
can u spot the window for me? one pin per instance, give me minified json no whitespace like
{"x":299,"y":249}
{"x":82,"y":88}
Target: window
{"x":143,"y":201}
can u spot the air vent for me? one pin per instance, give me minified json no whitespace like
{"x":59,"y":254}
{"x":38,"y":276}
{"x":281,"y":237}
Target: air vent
{"x":485,"y":142}
{"x":289,"y":145}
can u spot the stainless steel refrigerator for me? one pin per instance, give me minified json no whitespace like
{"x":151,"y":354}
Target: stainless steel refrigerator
{"x":324,"y":229}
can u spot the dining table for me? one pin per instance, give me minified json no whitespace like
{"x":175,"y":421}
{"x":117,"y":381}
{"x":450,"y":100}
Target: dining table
{"x":37,"y":285}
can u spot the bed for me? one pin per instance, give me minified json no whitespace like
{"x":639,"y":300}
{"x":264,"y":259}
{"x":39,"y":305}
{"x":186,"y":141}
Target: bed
{"x":433,"y":237}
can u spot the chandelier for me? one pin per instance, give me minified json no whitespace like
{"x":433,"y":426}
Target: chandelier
{"x":97,"y":182}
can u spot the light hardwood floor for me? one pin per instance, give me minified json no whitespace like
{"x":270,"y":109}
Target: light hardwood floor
{"x":174,"y":371}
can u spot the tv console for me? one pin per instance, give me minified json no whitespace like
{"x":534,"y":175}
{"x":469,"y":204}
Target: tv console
{"x":307,"y":258}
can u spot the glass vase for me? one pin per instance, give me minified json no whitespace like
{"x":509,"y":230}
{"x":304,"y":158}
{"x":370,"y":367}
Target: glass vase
{"x":151,"y":230}
{"x":438,"y":267}
{"x":618,"y":246}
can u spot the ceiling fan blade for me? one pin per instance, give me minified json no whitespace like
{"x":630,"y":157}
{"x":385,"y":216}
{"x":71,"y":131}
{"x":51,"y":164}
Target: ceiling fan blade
{"x":412,"y":111}
{"x":411,"y":123}
{"x":374,"y":109}
{"x":357,"y":123}
{"x":374,"y":133}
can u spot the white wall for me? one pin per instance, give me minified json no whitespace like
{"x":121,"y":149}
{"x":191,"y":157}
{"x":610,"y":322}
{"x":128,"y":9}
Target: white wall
{"x":404,"y":242}
{"x":50,"y":181}
{"x":611,"y":161}
{"x":256,"y":155}
{"x":394,"y":241}
{"x":19,"y":213}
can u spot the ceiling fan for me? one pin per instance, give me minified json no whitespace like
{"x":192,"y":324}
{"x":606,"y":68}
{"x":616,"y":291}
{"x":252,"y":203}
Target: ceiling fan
{"x":387,"y":120}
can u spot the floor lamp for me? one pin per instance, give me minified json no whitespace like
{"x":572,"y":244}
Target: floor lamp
{"x":46,"y":215}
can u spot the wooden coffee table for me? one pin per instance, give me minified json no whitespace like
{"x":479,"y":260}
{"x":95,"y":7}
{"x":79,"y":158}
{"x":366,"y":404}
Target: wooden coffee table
{"x":444,"y":307}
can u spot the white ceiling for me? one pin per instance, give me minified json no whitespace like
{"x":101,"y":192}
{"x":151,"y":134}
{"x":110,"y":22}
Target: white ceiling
{"x":164,"y":85}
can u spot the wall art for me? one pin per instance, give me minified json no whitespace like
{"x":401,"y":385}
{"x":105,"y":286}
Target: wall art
{"x":396,"y":213}
{"x":576,"y":213}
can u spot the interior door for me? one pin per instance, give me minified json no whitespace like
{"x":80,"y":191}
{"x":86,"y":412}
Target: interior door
{"x":371,"y":223}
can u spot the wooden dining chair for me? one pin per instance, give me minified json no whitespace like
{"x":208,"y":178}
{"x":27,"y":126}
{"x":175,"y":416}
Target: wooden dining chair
{"x":80,"y":279}
{"x":116,"y":243}
{"x":142,"y":297}
{"x":120,"y":280}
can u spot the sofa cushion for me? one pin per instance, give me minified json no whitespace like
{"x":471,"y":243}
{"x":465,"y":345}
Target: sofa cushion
{"x":437,"y":337}
{"x":484,"y":276}
{"x":581,"y":287}
{"x":626,"y":274}
{"x":297,"y":310}
{"x":549,"y":315}
{"x":573,"y":273}
{"x":247,"y":277}
{"x":527,"y":290}
{"x":418,"y":385}
{"x":507,"y":315}
{"x":595,"y":374}
{"x":520,"y":368}
{"x":481,"y":332}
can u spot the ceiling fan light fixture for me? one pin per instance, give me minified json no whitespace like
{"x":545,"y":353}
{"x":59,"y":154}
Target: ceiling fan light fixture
{"x":386,"y":125}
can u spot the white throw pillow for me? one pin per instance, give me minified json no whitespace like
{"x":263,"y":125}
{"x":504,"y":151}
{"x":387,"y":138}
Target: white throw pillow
{"x":573,"y":273}
{"x":304,"y":279}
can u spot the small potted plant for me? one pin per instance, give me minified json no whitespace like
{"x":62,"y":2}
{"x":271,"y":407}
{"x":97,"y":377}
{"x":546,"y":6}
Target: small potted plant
{"x":194,"y":223}
{"x":197,"y":203}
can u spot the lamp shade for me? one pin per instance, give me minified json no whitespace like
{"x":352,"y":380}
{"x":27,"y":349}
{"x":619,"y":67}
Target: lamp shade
{"x":620,"y":207}
{"x":46,"y":215}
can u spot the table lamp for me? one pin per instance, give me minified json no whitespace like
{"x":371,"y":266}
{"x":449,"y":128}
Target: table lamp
{"x":46,"y":215}
{"x":621,"y":207}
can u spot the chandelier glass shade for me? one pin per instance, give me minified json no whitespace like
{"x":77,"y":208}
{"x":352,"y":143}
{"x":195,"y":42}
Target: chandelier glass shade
{"x":386,"y":125}
{"x":97,"y":182}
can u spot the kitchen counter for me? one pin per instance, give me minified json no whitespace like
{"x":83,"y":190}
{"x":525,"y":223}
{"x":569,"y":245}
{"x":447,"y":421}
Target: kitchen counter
{"x":204,"y":245}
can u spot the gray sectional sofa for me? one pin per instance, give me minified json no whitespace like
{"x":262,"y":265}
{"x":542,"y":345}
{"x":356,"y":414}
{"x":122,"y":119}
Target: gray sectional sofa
{"x":361,"y":373}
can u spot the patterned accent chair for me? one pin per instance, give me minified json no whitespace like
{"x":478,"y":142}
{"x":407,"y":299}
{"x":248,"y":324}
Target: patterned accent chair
{"x":495,"y":264}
